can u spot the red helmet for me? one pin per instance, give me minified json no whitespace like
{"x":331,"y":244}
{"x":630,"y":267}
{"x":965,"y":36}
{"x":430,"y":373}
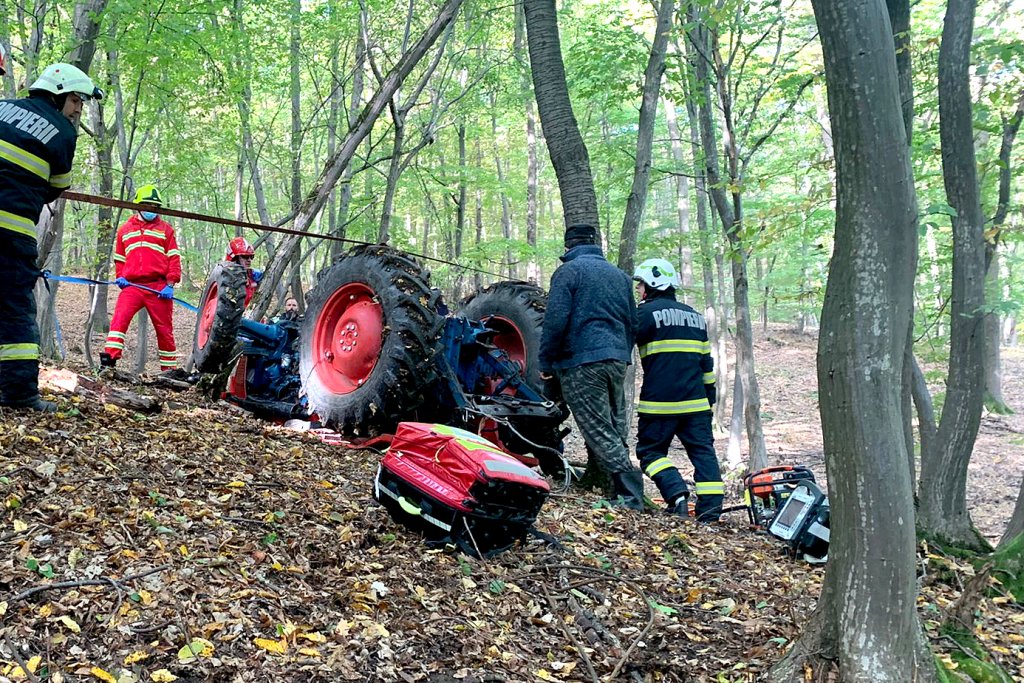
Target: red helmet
{"x":239,"y":247}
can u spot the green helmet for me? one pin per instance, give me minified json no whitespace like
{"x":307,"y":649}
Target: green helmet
{"x":657,"y":273}
{"x":59,"y":79}
{"x":148,"y":194}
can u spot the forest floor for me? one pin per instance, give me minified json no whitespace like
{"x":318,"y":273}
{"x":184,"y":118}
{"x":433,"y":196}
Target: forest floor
{"x":128,"y":537}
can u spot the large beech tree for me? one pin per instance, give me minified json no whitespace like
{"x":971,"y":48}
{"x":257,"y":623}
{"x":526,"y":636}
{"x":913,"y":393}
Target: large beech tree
{"x":866,"y":622}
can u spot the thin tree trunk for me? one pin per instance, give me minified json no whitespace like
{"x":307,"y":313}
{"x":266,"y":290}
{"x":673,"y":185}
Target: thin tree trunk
{"x":335,"y":165}
{"x":294,"y":55}
{"x":943,"y":493}
{"x":866,"y":620}
{"x":637,"y":199}
{"x":683,"y":209}
{"x":345,"y":202}
{"x":532,"y":265}
{"x":731,"y":216}
{"x":1016,"y":525}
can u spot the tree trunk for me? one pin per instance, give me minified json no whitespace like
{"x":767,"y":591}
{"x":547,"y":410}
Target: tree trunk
{"x":345,"y":203}
{"x":683,"y":209}
{"x":394,"y":171}
{"x":336,"y":164}
{"x":561,"y":132}
{"x":532,"y":266}
{"x":506,"y":209}
{"x":731,"y":225}
{"x":294,"y":47}
{"x":943,"y":510}
{"x":1016,"y":525}
{"x":645,"y":136}
{"x":866,"y":621}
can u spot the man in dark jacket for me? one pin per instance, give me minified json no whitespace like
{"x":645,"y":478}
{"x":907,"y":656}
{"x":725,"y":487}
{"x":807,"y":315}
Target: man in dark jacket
{"x":587,"y":341}
{"x":37,"y":146}
{"x":677,"y":393}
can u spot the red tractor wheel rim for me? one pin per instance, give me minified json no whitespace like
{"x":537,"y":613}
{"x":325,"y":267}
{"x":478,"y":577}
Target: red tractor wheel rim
{"x":510,"y":340}
{"x":208,"y":315}
{"x":347,"y":338}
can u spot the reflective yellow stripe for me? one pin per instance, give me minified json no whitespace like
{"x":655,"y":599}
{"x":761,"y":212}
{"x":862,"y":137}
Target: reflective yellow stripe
{"x":675,"y":346}
{"x":116,"y":335}
{"x":173,"y":363}
{"x":673,"y":407}
{"x":19,"y":352}
{"x":145,"y":245}
{"x":130,"y":235}
{"x":168,"y":354}
{"x":114,"y":345}
{"x":659,"y":465}
{"x":709,"y":378}
{"x":154,"y":233}
{"x":18,"y":224}
{"x":118,"y":257}
{"x":174,"y":252}
{"x":26,"y":160}
{"x":61,"y":181}
{"x":710,"y":488}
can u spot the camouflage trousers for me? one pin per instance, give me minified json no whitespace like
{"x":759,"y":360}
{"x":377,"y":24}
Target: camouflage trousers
{"x":594,"y":394}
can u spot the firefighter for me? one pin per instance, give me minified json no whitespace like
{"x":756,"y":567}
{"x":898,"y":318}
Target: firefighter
{"x":242,"y":253}
{"x":38,"y":136}
{"x":145,"y":254}
{"x":677,"y":394}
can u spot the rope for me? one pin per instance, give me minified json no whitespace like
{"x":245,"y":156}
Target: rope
{"x":120,"y":204}
{"x":47,"y":275}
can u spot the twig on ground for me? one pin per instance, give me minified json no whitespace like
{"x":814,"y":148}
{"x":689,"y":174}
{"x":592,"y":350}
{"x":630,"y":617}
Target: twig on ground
{"x":21,"y":661}
{"x":103,"y":581}
{"x":569,"y":634}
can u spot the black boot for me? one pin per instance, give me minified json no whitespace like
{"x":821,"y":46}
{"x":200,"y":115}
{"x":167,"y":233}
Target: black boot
{"x":628,"y":488}
{"x":680,"y":507}
{"x":106,"y":361}
{"x":19,"y":386}
{"x":34,"y":403}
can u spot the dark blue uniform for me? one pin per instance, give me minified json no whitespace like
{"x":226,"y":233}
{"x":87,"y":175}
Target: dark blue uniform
{"x":676,"y":399}
{"x":37,"y":148}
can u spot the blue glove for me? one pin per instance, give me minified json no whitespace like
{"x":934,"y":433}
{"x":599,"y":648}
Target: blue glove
{"x":166,"y":293}
{"x":257,"y":276}
{"x":121,"y":282}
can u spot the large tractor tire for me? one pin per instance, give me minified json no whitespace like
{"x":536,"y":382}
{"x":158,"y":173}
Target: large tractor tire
{"x":370,"y":341}
{"x":215,"y":343}
{"x":515,"y":310}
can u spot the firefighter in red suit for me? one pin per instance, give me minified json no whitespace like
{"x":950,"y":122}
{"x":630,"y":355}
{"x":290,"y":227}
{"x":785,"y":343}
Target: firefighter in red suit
{"x":145,"y":254}
{"x":242,"y":253}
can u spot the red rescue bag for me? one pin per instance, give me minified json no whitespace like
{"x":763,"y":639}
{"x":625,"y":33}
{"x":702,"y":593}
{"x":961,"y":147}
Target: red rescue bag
{"x":454,"y":486}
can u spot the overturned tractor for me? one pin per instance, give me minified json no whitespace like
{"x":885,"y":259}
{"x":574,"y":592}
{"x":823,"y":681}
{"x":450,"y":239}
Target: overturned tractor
{"x":373,"y":351}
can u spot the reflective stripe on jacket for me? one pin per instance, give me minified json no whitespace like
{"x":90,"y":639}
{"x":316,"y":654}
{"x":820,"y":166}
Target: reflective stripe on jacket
{"x":37,"y":148}
{"x":679,"y":375}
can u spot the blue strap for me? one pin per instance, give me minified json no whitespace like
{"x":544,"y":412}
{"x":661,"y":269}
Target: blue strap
{"x":47,"y":275}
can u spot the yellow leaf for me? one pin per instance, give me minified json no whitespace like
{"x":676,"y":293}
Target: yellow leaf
{"x":326,"y":484}
{"x":70,"y":623}
{"x":162,"y":676}
{"x":199,"y":647}
{"x":277,"y":647}
{"x":314,"y":637}
{"x":145,"y":597}
{"x":236,"y":485}
{"x":183,"y":549}
{"x":131,"y":554}
{"x":20,"y":526}
{"x":309,"y":651}
{"x":544,"y":675}
{"x":101,"y":674}
{"x":111,"y":408}
{"x":33,"y":665}
{"x":3,"y":608}
{"x":134,"y":657}
{"x":46,"y":610}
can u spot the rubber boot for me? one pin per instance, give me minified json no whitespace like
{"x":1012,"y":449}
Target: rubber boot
{"x":106,"y":361}
{"x":628,"y":488}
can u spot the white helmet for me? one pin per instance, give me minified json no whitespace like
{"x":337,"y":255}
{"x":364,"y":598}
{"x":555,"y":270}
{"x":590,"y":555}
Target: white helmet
{"x":3,"y":60}
{"x":657,"y":273}
{"x":64,"y":78}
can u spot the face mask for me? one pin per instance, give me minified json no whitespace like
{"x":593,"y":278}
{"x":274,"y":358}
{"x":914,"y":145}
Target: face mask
{"x":148,"y":216}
